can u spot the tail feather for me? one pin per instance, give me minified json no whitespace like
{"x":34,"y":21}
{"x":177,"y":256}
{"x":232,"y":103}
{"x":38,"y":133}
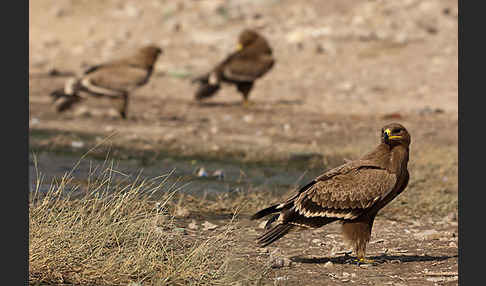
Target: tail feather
{"x":265,"y":212}
{"x":271,"y":220}
{"x":64,"y":101}
{"x":64,"y":98}
{"x":206,"y":90}
{"x":274,"y":234}
{"x":67,"y":102}
{"x":208,"y":85}
{"x":58,"y":93}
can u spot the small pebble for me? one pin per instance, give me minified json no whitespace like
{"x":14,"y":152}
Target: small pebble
{"x":193,"y":225}
{"x":34,"y":121}
{"x":182,"y":212}
{"x":219,"y":174}
{"x":277,"y":260}
{"x":316,"y":241}
{"x":202,"y":173}
{"x":77,"y":144}
{"x":209,"y":226}
{"x":328,"y":264}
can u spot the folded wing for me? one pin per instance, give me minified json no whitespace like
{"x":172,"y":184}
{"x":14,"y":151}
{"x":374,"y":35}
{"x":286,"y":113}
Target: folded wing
{"x":345,"y":195}
{"x":247,"y":69}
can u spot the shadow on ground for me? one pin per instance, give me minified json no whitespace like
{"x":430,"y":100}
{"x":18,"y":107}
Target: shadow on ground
{"x":346,"y":259}
{"x":218,"y":104}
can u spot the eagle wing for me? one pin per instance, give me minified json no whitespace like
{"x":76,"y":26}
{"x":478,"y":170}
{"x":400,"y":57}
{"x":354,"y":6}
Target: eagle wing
{"x":240,"y":68}
{"x":345,"y":193}
{"x":114,"y":80}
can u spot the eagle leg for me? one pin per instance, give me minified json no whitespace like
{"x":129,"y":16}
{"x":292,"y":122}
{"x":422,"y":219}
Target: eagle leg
{"x":358,"y":233}
{"x":245,"y":88}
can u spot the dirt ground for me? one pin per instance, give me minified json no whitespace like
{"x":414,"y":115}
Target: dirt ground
{"x":344,"y":68}
{"x":405,"y":253}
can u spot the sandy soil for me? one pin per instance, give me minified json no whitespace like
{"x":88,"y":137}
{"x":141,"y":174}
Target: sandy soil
{"x":344,"y":68}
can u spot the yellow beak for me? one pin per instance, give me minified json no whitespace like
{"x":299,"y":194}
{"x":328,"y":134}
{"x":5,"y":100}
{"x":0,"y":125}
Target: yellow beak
{"x":388,"y":132}
{"x":239,"y":47}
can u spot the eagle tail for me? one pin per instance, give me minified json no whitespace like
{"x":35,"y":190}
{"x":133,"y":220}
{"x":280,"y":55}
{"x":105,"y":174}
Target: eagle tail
{"x":65,"y":97}
{"x":274,"y":234}
{"x":64,"y":101}
{"x":206,"y":90}
{"x":67,"y":102}
{"x":265,"y":212}
{"x":58,"y":93}
{"x":207,"y":87}
{"x":271,"y":220}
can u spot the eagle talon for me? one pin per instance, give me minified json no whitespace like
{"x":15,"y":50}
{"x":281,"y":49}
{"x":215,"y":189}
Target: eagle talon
{"x":247,"y":103}
{"x":363,"y":261}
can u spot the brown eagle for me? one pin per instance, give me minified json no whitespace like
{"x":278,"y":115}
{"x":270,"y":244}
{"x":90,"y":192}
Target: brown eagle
{"x":251,"y":60}
{"x":114,"y":79}
{"x":352,"y":193}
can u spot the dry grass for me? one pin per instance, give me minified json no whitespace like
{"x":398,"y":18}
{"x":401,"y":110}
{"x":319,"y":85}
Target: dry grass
{"x":111,"y":232}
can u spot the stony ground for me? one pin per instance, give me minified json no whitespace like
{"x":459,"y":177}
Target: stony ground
{"x":344,"y":68}
{"x":408,"y":252}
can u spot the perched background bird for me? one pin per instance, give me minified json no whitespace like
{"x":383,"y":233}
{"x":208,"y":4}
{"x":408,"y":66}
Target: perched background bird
{"x":251,"y":60}
{"x":114,"y":79}
{"x":352,"y":193}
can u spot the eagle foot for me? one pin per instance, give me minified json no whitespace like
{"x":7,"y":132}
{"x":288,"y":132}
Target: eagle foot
{"x":247,"y":104}
{"x":361,"y":261}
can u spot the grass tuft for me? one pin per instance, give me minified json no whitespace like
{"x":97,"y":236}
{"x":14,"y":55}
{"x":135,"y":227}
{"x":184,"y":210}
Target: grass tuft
{"x":118,"y":232}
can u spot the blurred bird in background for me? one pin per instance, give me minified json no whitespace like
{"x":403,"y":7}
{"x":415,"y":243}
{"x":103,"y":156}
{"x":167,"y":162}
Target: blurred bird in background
{"x":251,"y":60}
{"x":114,"y":79}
